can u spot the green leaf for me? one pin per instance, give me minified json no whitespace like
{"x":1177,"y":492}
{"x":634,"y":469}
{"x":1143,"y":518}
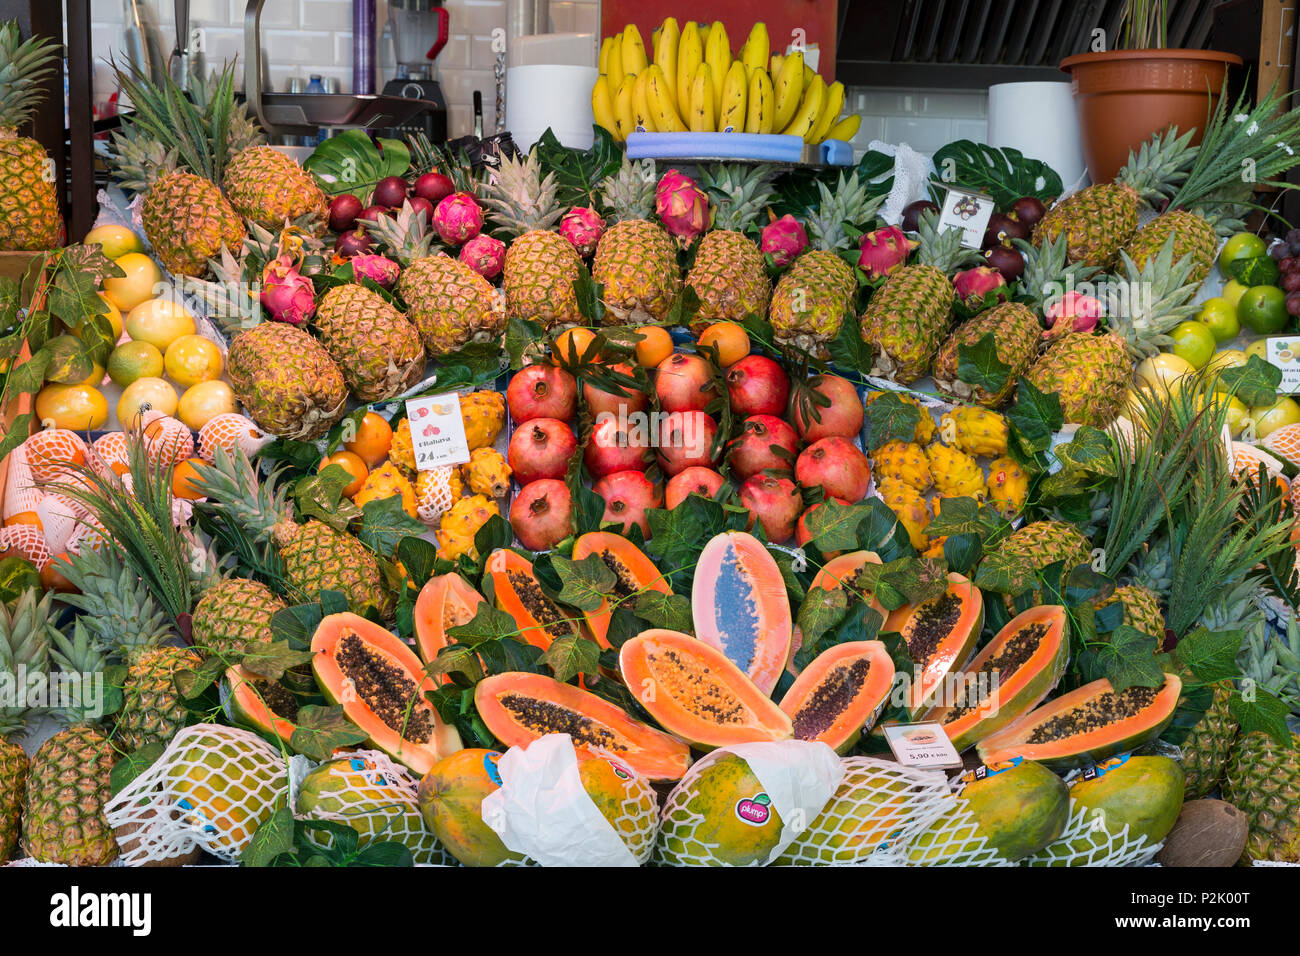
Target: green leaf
{"x":822,"y":610}
{"x":134,"y":764}
{"x":1127,"y":660}
{"x":834,"y":527}
{"x":1254,"y":270}
{"x":1258,"y":710}
{"x":1004,"y":174}
{"x":571,"y":655}
{"x":578,"y":172}
{"x":964,"y":516}
{"x":384,"y":853}
{"x":1035,"y":416}
{"x":273,"y":838}
{"x":270,"y":659}
{"x":670,"y":611}
{"x":190,"y":682}
{"x":384,"y":523}
{"x":456,"y":659}
{"x":522,"y":335}
{"x":889,"y":418}
{"x":350,"y":163}
{"x":1254,"y":383}
{"x":488,"y":624}
{"x":297,"y":624}
{"x":590,"y":295}
{"x":321,"y":496}
{"x":1210,"y":655}
{"x":848,"y":349}
{"x":979,"y":365}
{"x":586,"y":583}
{"x":319,"y":731}
{"x":418,"y":556}
{"x":684,"y":308}
{"x":495,"y":533}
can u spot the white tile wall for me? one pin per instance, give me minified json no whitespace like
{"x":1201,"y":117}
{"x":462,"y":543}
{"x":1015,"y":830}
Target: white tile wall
{"x":923,"y":119}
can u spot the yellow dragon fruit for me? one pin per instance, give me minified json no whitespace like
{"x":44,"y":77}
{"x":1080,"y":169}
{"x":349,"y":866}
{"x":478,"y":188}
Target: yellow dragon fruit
{"x":484,"y":415}
{"x":956,"y":474}
{"x":385,"y":482}
{"x":910,"y":508}
{"x":487,"y":473}
{"x":401,"y":452}
{"x":976,"y":431}
{"x":901,"y":461}
{"x":461,"y":523}
{"x":1007,"y":487}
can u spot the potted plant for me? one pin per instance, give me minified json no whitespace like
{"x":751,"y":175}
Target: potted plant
{"x":1125,"y":95}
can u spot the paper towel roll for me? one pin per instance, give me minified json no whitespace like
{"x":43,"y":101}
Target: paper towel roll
{"x":550,"y":95}
{"x":1038,"y":119}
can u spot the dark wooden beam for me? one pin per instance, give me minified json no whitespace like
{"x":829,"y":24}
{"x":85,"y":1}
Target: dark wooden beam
{"x":81,"y":119}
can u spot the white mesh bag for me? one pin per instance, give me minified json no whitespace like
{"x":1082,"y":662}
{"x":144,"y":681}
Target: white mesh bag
{"x":952,"y":839}
{"x":367,"y":791}
{"x":878,"y":803}
{"x":1087,"y":842}
{"x":212,"y":788}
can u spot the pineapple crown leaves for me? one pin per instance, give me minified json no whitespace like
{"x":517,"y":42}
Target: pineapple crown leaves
{"x":942,"y":249}
{"x":850,"y":203}
{"x":1156,"y":169}
{"x":26,"y":633}
{"x":24,"y":67}
{"x":233,"y":492}
{"x":1272,"y":662}
{"x":407,"y":235}
{"x":630,"y":192}
{"x":78,"y":663}
{"x":117,"y":608}
{"x":1156,"y":297}
{"x":1048,"y":272}
{"x":738,"y":194}
{"x":520,"y":198}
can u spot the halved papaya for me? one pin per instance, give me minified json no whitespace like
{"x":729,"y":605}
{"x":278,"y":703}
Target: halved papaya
{"x":445,"y":601}
{"x":843,"y":572}
{"x":695,"y":691}
{"x":261,"y":703}
{"x":1009,"y":677}
{"x":941,"y":634}
{"x":516,"y":590}
{"x":1086,"y":725}
{"x":519,"y":708}
{"x":739,"y":606}
{"x":840,"y":693}
{"x":381,"y":685}
{"x":633,"y":573}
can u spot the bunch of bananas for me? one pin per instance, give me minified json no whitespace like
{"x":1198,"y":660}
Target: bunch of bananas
{"x":695,"y":84}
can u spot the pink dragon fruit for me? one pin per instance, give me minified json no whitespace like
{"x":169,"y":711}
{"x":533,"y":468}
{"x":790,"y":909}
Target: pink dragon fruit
{"x":784,"y":240}
{"x":980,"y":288}
{"x":682,"y":206}
{"x":287,"y":294}
{"x":884,"y":250}
{"x":376,"y":268}
{"x":583,"y":227}
{"x":485,"y":255}
{"x":1082,"y":311}
{"x":458,"y":218}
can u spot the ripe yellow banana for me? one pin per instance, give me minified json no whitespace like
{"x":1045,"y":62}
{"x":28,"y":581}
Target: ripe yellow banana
{"x":761,"y":110}
{"x":634,"y":58}
{"x":788,"y":85}
{"x":734,"y":89}
{"x":700,"y":116}
{"x":704,"y":33}
{"x":603,"y":62}
{"x":757,"y":47}
{"x":666,"y":57}
{"x":846,"y":128}
{"x":690,"y":54}
{"x":809,"y":109}
{"x":660,"y":99}
{"x":602,"y":105}
{"x":808,"y":74}
{"x":831,"y":107}
{"x":717,"y":53}
{"x":778,"y":61}
{"x":623,"y":113}
{"x":614,"y":59}
{"x":654,"y":39}
{"x":641,"y":103}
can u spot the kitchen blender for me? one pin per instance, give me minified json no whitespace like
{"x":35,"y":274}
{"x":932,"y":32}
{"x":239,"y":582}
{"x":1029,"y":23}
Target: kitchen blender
{"x":420,"y":29}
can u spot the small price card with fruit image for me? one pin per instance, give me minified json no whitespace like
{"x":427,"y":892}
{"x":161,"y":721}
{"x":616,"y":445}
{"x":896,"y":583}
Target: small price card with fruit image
{"x":1284,"y":352}
{"x":969,"y":212}
{"x":924,"y":745}
{"x":437,"y":431}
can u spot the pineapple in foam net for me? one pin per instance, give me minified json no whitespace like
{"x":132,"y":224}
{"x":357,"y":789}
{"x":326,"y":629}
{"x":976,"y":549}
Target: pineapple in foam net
{"x":976,"y":431}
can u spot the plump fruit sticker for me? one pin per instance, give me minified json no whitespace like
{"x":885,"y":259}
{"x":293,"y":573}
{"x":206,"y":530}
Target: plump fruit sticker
{"x":755,"y":810}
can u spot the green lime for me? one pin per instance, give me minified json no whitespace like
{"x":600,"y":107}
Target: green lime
{"x":1233,"y":291}
{"x":1269,"y":418}
{"x":1258,"y":348}
{"x":1243,"y":245}
{"x":1193,"y":341}
{"x":134,"y":360}
{"x":1262,"y":309}
{"x":1219,"y":315}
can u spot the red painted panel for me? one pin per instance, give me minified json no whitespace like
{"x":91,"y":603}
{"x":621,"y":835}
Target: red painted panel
{"x":816,"y":18}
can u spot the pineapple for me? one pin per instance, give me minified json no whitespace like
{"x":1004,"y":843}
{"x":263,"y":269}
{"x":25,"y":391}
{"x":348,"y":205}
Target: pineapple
{"x":1141,"y":610}
{"x":174,"y":152}
{"x":635,"y":260}
{"x":269,"y":188}
{"x":1097,"y":221}
{"x":449,"y":303}
{"x":1193,"y":236}
{"x":1040,"y":543}
{"x":376,"y":346}
{"x":287,"y":380}
{"x":232,"y":613}
{"x":541,"y":265}
{"x":1091,"y":373}
{"x":813,"y":298}
{"x":152,"y":710}
{"x":730,"y":275}
{"x":1208,"y":745}
{"x":908,"y":317}
{"x":1263,"y":779}
{"x":29,"y":198}
{"x":26,"y":632}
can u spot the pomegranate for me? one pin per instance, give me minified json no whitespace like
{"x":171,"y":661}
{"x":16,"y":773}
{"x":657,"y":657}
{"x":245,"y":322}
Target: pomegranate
{"x":542,"y":514}
{"x":628,"y":496}
{"x":613,"y":448}
{"x":801,"y":533}
{"x":774,"y":502}
{"x":541,"y":449}
{"x":434,"y":187}
{"x":913,"y":211}
{"x":759,"y":446}
{"x":542,"y":391}
{"x":1007,"y":261}
{"x":756,"y":385}
{"x":685,"y":439}
{"x":1028,"y":209}
{"x":626,"y":401}
{"x":695,"y":480}
{"x":837,"y":466}
{"x":344,"y":211}
{"x":843,"y":417}
{"x":390,"y":191}
{"x":684,"y":383}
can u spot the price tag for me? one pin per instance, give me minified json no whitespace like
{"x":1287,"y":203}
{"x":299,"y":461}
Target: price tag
{"x":968,"y":211}
{"x":1284,"y":352}
{"x":437,"y":431}
{"x":923,"y":745}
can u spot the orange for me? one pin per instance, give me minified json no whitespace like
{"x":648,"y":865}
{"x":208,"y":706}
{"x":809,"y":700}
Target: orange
{"x":655,"y":347}
{"x":185,"y":480}
{"x":571,"y":344}
{"x":731,"y":341}
{"x":351,"y":463}
{"x":373,"y":439}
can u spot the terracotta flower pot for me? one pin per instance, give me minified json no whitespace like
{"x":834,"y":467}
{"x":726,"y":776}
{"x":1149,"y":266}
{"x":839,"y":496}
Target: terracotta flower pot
{"x":1124,"y":96}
